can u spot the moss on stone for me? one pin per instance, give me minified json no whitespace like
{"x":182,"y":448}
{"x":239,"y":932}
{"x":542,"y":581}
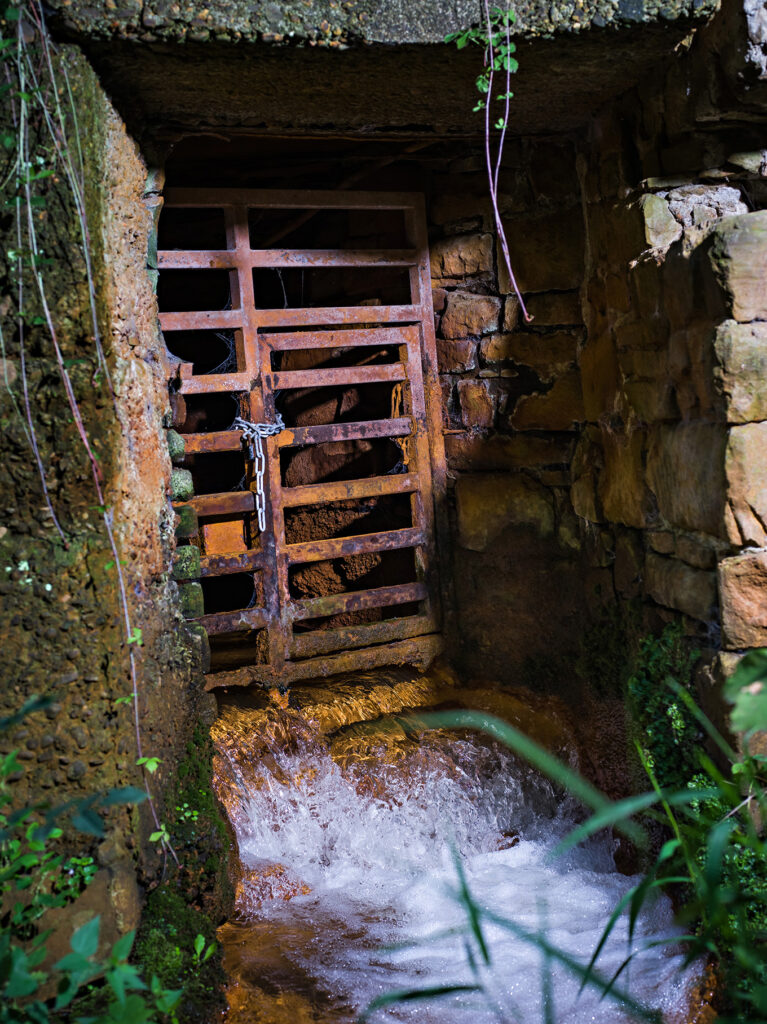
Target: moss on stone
{"x":165,"y":948}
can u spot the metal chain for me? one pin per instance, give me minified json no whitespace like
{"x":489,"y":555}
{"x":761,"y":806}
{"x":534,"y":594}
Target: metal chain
{"x":254,"y":433}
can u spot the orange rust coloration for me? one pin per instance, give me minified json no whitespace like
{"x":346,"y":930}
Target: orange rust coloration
{"x":358,"y":627}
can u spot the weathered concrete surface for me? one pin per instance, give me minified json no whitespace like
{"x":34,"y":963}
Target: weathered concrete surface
{"x":324,"y":22}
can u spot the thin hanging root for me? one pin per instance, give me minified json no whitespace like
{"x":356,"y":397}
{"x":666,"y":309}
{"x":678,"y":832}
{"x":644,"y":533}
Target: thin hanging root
{"x":494,"y":172}
{"x":21,"y":123}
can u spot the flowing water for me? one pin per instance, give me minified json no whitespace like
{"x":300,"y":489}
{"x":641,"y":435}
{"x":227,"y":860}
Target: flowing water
{"x":351,"y":837}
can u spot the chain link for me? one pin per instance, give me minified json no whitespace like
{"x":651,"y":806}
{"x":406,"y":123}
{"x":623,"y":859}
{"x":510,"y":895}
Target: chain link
{"x":254,"y":433}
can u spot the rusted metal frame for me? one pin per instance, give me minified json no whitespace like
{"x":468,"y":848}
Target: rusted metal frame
{"x":419,"y":651}
{"x":290,"y":199}
{"x":208,"y":384}
{"x":221,"y":259}
{"x":201,"y":320}
{"x":420,"y":276}
{"x":363,"y":543}
{"x":334,"y":315}
{"x":422,"y":501}
{"x":231,"y":440}
{"x":358,"y":600}
{"x":360,"y":430}
{"x":234,"y":622}
{"x":259,"y":410}
{"x":281,"y":630}
{"x":343,"y":490}
{"x":223,"y":564}
{"x":380,"y":337}
{"x":224,"y":503}
{"x":340,"y":376}
{"x":215,"y":441}
{"x":309,"y":645}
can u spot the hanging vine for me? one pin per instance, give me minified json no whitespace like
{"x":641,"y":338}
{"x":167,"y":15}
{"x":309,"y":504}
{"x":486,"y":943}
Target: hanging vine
{"x":43,"y":141}
{"x":494,"y":36}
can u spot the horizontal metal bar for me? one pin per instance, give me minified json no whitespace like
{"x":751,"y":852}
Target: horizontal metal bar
{"x":291,"y":199}
{"x":309,"y":645}
{"x":341,"y":490}
{"x":209,"y":383}
{"x":293,"y":436}
{"x":234,"y":622}
{"x":340,"y":376}
{"x":364,"y":336}
{"x":306,"y":317}
{"x":201,"y":320}
{"x":222,"y":504}
{"x":197,"y":259}
{"x":229,"y":259}
{"x":215,"y":441}
{"x":223,"y":565}
{"x":419,"y":651}
{"x":381,"y":597}
{"x":341,"y":547}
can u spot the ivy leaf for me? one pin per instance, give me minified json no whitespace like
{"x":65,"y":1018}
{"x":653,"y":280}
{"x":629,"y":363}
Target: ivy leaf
{"x":747,"y":690}
{"x":85,"y":940}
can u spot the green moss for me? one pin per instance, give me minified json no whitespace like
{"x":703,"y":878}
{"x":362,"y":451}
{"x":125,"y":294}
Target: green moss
{"x":666,"y":728}
{"x":165,"y":948}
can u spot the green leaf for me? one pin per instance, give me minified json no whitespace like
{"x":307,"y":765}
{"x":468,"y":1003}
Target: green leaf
{"x":122,"y":948}
{"x":409,"y":995}
{"x":125,"y":795}
{"x":85,"y":940}
{"x":150,"y":763}
{"x":747,"y":690}
{"x":21,"y":982}
{"x":199,"y":945}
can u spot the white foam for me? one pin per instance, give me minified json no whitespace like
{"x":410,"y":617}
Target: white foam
{"x":382,"y":872}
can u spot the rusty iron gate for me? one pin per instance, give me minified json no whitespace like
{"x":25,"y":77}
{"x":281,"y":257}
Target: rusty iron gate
{"x":229,"y":539}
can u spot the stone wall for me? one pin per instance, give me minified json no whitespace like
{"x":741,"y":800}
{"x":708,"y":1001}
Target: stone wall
{"x":671,"y":470}
{"x":64,"y":633}
{"x":512,"y":403}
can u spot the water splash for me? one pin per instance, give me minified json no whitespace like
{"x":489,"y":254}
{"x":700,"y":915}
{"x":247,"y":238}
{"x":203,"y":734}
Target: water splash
{"x":345,"y":857}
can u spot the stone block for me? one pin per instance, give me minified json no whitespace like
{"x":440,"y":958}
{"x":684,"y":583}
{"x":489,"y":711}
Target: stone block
{"x":662,"y":541}
{"x":186,"y":564}
{"x":511,"y":311}
{"x":181,"y":485}
{"x":691,"y":367}
{"x":176,"y":446}
{"x":588,"y":460}
{"x":192,"y":604}
{"x":738,"y":256}
{"x":456,"y":210}
{"x":475,"y":453}
{"x":487,"y":503}
{"x":746,"y":470}
{"x":470,"y":316}
{"x":685,"y":470}
{"x":741,"y":371}
{"x":661,"y":228}
{"x":600,"y":378}
{"x":555,"y":309}
{"x":560,"y":408}
{"x":547,"y":354}
{"x":462,"y":256}
{"x":623,"y":493}
{"x":476,"y":403}
{"x":202,"y":642}
{"x":742,"y":589}
{"x":187,"y":522}
{"x":547,"y":253}
{"x":628,"y":568}
{"x":677,"y":585}
{"x":698,"y":553}
{"x":456,"y":356}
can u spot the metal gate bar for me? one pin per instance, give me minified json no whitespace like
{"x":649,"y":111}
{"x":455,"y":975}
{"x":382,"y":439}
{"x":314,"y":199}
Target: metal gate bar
{"x":408,"y":329}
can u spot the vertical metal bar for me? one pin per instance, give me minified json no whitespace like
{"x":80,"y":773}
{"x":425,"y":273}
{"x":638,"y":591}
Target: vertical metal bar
{"x":420,"y":278}
{"x":257,"y":413}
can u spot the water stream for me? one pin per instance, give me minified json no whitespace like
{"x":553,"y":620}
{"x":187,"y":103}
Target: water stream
{"x":348,"y":832}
